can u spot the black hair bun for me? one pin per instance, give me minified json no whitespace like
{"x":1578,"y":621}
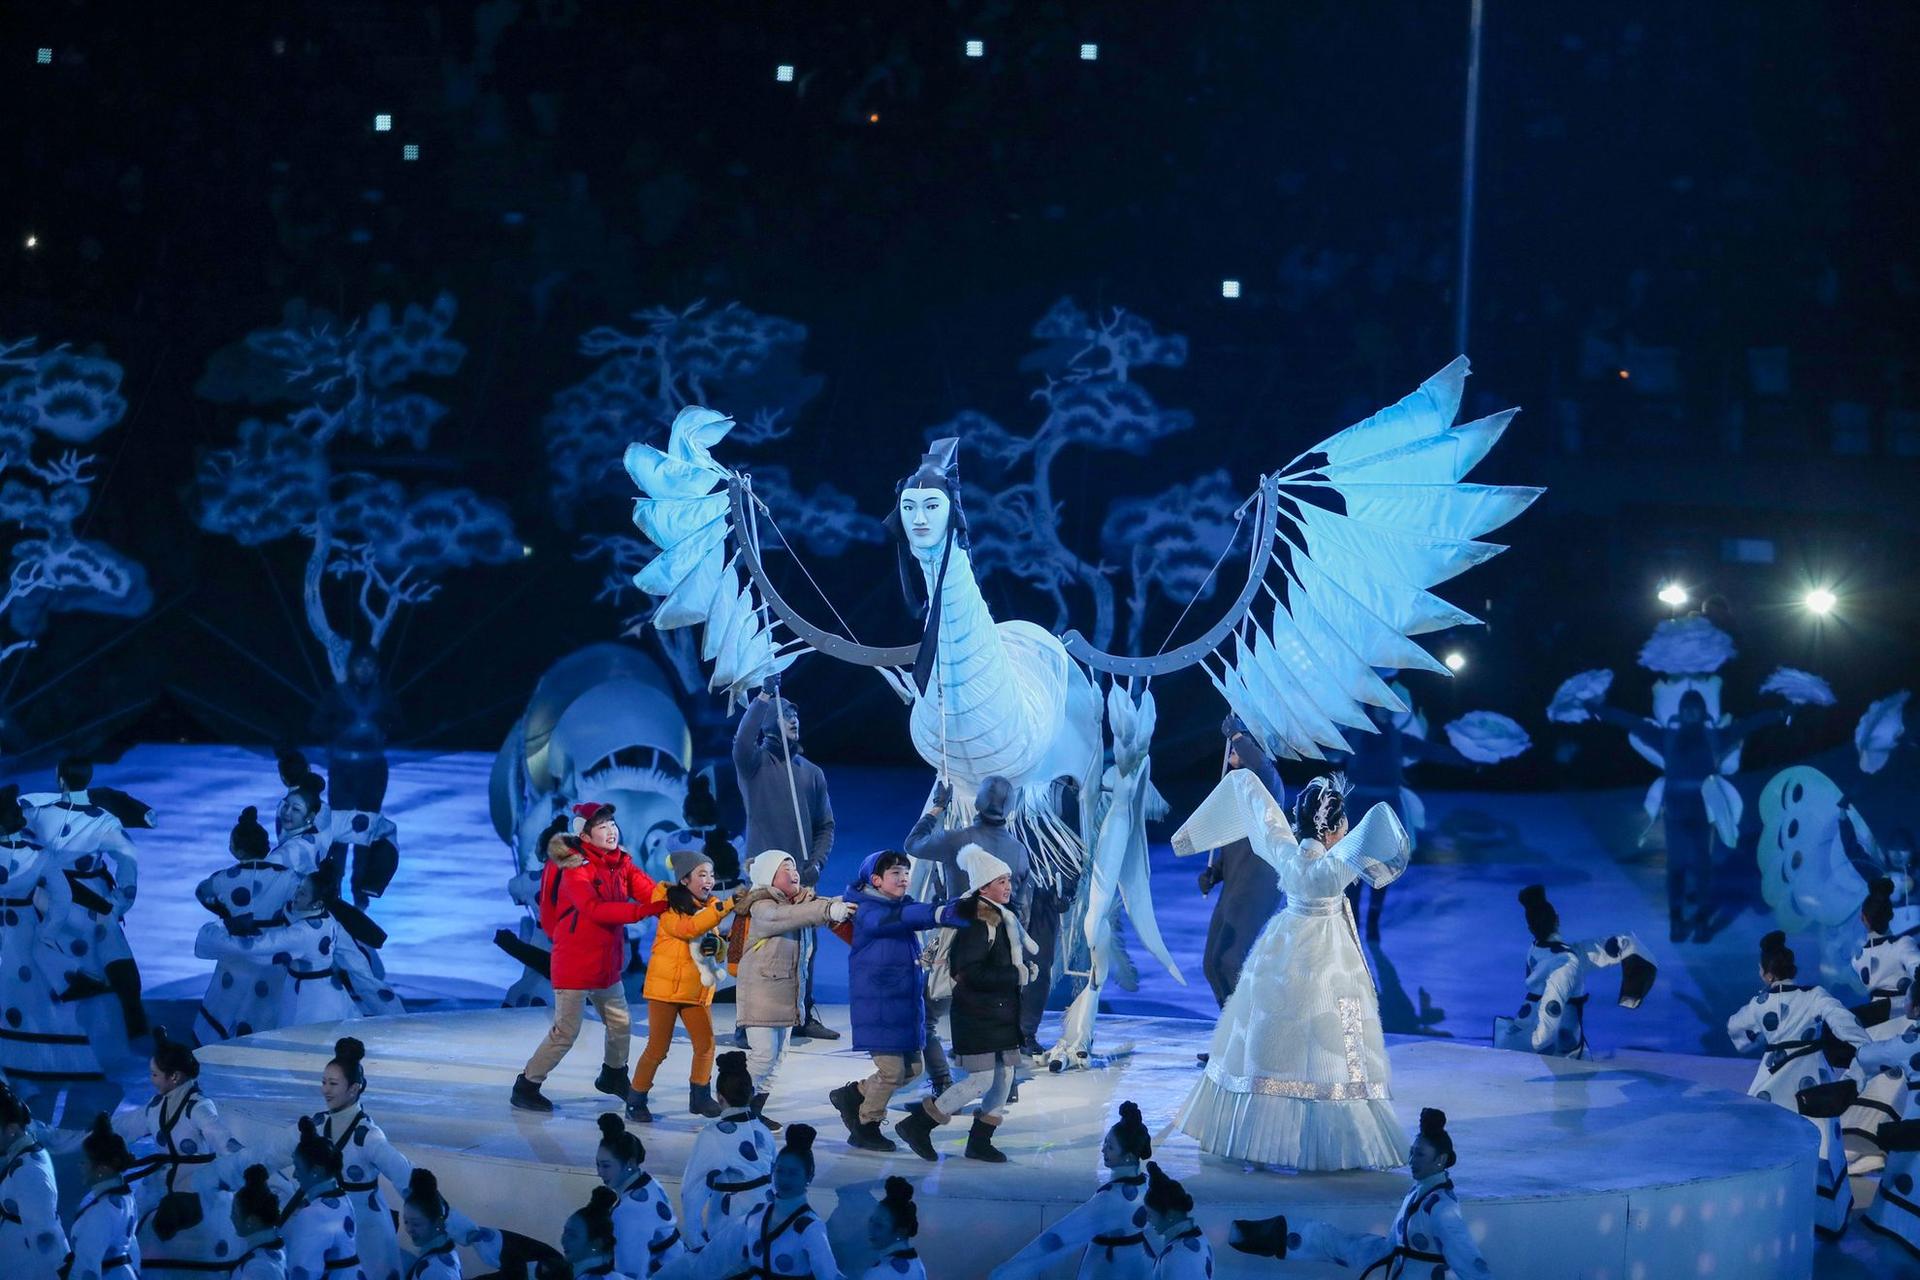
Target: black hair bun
{"x":1130,"y":1113}
{"x":1432,"y":1121}
{"x":1881,"y":887}
{"x":899,"y":1190}
{"x":421,"y":1184}
{"x":1534,"y":895}
{"x":307,"y":1127}
{"x":255,"y":1178}
{"x":349,"y":1051}
{"x":611,"y":1126}
{"x":800,"y":1138}
{"x":603,"y":1199}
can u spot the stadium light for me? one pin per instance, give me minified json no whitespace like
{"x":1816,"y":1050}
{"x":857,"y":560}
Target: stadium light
{"x":382,"y":124}
{"x":1089,"y":53}
{"x":410,"y":151}
{"x":976,"y":48}
{"x":1229,"y":288}
{"x":784,"y":73}
{"x":1456,"y":661}
{"x":1820,"y":601}
{"x":1673,"y":595}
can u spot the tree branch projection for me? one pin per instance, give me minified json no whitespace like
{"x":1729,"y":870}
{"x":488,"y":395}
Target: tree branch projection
{"x":387,"y":546}
{"x":51,"y":401}
{"x":729,"y":358}
{"x":1088,"y":398}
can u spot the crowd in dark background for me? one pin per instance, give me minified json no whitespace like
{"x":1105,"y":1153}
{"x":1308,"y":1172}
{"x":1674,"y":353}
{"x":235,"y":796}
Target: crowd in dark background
{"x":1694,"y":269}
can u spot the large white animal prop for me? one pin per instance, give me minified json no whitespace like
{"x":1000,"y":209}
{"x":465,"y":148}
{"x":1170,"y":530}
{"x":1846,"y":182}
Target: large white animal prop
{"x":1344,"y":545}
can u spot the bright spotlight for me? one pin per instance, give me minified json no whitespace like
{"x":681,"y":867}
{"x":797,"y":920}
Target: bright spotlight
{"x":382,"y":124}
{"x":1229,"y":288}
{"x":976,"y":48}
{"x":784,"y":73}
{"x":1673,"y":595}
{"x":1089,"y":53}
{"x":410,"y":151}
{"x":1455,"y":660}
{"x":33,"y":241}
{"x":1820,"y":601}
{"x":43,"y":57}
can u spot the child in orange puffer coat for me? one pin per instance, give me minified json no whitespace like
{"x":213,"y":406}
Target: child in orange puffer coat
{"x":680,"y":983}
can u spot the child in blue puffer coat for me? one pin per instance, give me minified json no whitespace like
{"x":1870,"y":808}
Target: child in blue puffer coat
{"x":885,"y":989}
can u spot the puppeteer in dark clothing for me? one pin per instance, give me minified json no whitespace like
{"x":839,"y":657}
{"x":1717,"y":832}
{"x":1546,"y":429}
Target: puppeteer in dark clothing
{"x":1249,"y":889}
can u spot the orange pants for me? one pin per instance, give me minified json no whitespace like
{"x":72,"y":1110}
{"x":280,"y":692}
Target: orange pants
{"x":660,"y":1017}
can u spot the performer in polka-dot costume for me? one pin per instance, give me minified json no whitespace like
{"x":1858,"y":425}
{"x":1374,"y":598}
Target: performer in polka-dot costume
{"x":1895,"y":1210}
{"x":1109,"y":1231}
{"x":317,"y":1224}
{"x":1552,"y":1017}
{"x":1786,"y":1020}
{"x":41,"y":1038}
{"x":646,"y":1236}
{"x":31,"y":1238}
{"x":730,"y":1170}
{"x":1182,"y":1251}
{"x":1886,"y":964}
{"x":891,"y":1227}
{"x":191,"y":1148}
{"x":1429,"y":1236}
{"x":783,"y":1239}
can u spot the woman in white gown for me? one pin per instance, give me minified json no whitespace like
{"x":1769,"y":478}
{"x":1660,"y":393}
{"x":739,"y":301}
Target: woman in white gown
{"x":1298,"y":1074}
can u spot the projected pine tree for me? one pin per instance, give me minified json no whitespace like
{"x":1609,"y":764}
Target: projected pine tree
{"x":374,"y":547}
{"x":729,"y":358}
{"x":50,"y":403}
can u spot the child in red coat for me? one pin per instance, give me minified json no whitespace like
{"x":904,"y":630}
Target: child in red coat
{"x":589,"y":893}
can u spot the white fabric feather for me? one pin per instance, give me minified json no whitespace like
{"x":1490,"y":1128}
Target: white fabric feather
{"x":1880,"y":730}
{"x":1487,"y":737}
{"x":1801,"y":688}
{"x":1568,"y":705}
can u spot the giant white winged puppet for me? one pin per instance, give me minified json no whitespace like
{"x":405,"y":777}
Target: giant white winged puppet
{"x":1345,"y":542}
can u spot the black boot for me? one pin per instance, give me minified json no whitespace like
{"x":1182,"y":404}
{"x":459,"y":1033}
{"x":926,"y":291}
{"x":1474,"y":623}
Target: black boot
{"x":916,"y":1130}
{"x":759,"y":1113}
{"x":124,"y":977}
{"x":980,"y":1142}
{"x":867,"y":1137}
{"x":527,"y":1096}
{"x":815,"y":1029}
{"x":700,"y":1102}
{"x":637,"y":1107}
{"x":612,"y":1081}
{"x":1262,"y":1237}
{"x":846,"y":1100}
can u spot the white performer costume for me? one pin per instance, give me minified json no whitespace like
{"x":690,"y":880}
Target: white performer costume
{"x":185,"y":1136}
{"x":1429,"y":1237}
{"x":729,"y":1174}
{"x":1184,"y":1254}
{"x":1886,"y":965}
{"x":902,"y":1263}
{"x":365,"y":1157}
{"x":441,"y":1262}
{"x":191,"y":1252}
{"x":41,"y":1038}
{"x":773,"y":1242}
{"x":1895,"y":1210}
{"x":1109,"y":1232}
{"x":327,"y":976}
{"x":1298,"y":1075}
{"x":1552,"y":1018}
{"x":319,"y":1230}
{"x":262,"y":1256}
{"x":645,"y":1235}
{"x":246,"y":992}
{"x":32,"y":1241}
{"x":101,"y":1244}
{"x":1786,"y":1020}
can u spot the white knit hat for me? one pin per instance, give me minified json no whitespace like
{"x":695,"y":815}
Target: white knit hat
{"x":766,"y":866}
{"x":982,"y":868}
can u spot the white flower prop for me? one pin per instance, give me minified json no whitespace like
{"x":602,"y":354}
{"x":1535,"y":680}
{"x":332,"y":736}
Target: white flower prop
{"x":1570,"y":699}
{"x":1686,"y":646}
{"x":1487,"y":737}
{"x":1880,"y":730}
{"x":1801,"y":688}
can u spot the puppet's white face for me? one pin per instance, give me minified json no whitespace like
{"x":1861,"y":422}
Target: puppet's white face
{"x":924,"y":515}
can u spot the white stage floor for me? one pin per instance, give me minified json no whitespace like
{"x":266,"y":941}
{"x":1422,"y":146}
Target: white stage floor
{"x":1627,"y":1168}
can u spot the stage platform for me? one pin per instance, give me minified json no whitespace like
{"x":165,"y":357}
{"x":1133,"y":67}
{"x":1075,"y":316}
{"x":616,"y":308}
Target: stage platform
{"x":1642,"y":1166}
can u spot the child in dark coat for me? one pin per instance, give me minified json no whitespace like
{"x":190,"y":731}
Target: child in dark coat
{"x":885,"y":991}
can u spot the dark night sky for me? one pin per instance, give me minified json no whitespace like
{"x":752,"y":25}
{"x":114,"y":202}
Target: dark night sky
{"x":1702,"y":178}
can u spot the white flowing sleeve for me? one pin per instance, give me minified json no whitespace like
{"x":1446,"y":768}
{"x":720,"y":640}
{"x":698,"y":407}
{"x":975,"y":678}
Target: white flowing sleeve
{"x":1069,"y":1235}
{"x":1743,"y":1028}
{"x":721,"y":1258}
{"x":1561,"y":979}
{"x":1377,"y":847}
{"x":1239,"y":808}
{"x":1623,"y":949}
{"x":135,"y":1124}
{"x":1456,"y":1241}
{"x":1840,"y":1019}
{"x":1356,"y":1250}
{"x":821,"y":1263}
